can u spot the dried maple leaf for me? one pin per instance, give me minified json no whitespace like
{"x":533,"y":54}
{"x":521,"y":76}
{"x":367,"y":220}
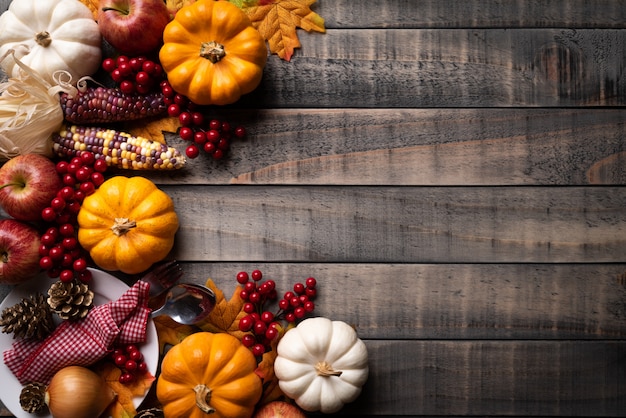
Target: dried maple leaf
{"x":93,"y":6}
{"x":170,"y":332}
{"x":226,"y":314}
{"x":123,"y":406}
{"x":277,"y":20}
{"x":153,"y":128}
{"x":175,"y":5}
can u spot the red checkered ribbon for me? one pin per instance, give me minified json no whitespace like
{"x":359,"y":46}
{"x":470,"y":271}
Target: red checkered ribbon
{"x":82,"y":342}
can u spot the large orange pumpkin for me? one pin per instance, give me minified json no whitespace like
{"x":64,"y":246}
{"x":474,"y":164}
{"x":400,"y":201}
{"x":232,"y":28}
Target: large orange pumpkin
{"x":209,"y":373}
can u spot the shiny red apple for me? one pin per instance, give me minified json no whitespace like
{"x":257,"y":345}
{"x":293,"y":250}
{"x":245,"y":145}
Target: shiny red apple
{"x":279,"y":409}
{"x":27,"y":185}
{"x":19,"y":251}
{"x":133,"y":27}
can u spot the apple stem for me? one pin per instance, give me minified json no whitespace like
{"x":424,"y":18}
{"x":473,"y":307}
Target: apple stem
{"x":19,"y":184}
{"x":107,"y":9}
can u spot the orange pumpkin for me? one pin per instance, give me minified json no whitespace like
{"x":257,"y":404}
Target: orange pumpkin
{"x":209,"y":373}
{"x":212,"y":54}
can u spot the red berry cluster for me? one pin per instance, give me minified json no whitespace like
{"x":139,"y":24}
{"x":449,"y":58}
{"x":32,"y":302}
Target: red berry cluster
{"x":130,"y":361}
{"x":60,"y":253}
{"x":261,"y":325}
{"x":212,"y":136}
{"x":134,"y":74}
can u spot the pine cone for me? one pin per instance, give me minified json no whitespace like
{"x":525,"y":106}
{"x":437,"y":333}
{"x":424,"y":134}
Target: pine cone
{"x":32,"y":398}
{"x":31,"y":317}
{"x":150,"y":413}
{"x":70,"y":300}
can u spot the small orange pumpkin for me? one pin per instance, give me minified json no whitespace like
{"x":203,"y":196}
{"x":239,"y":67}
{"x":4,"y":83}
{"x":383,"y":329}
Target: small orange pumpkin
{"x":212,"y":54}
{"x":209,"y":373}
{"x":127,"y":224}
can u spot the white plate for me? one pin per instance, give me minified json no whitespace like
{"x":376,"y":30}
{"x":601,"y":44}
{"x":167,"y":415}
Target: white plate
{"x":106,"y":288}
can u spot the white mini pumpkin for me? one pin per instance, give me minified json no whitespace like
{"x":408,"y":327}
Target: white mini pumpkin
{"x":50,"y":35}
{"x":321,"y":364}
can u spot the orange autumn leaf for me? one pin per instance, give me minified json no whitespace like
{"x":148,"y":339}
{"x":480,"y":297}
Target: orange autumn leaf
{"x":265,"y":370}
{"x":93,"y":6}
{"x":170,"y":332}
{"x":226,"y":314}
{"x":277,"y":21}
{"x":123,"y":406}
{"x":153,"y":128}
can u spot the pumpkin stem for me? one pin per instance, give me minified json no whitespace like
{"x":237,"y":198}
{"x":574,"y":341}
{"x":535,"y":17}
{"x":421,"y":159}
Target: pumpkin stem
{"x":324,"y":369}
{"x":43,"y":38}
{"x":212,"y":51}
{"x":122,"y":226}
{"x":203,"y":398}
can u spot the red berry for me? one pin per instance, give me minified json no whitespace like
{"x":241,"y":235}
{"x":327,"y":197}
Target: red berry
{"x":181,"y":100}
{"x":127,"y":87}
{"x":249,"y":287}
{"x":215,"y":124}
{"x":199,"y":137}
{"x":271,"y":333}
{"x":97,"y":178}
{"x":87,"y":157}
{"x":283,"y":304}
{"x":137,"y":63}
{"x":117,"y":75}
{"x":258,"y":349}
{"x":124,"y":69}
{"x":46,"y":262}
{"x":311,"y":292}
{"x":79,"y":265}
{"x":130,"y":365}
{"x":242,"y":277}
{"x":240,"y":132}
{"x":246,"y":323}
{"x":186,"y":133}
{"x":309,"y":306}
{"x":57,"y":204}
{"x":48,"y":239}
{"x":248,"y":307}
{"x":174,"y":110}
{"x":85,"y":276}
{"x":212,"y":135}
{"x":167,"y":90}
{"x":149,"y":67}
{"x":299,"y":312}
{"x":225,"y":126}
{"x":223,"y":144}
{"x":120,"y":360}
{"x":126,"y":378}
{"x":209,"y":147}
{"x":61,"y":167}
{"x":257,"y":275}
{"x":142,"y":367}
{"x":66,"y":193}
{"x":298,"y":288}
{"x":248,"y":340}
{"x":197,"y":118}
{"x":267,"y":317}
{"x":87,"y":187}
{"x":69,"y":243}
{"x":192,"y":151}
{"x":260,"y":327}
{"x":56,"y":253}
{"x":108,"y":64}
{"x":100,"y":165}
{"x":254,"y":297}
{"x":311,"y":282}
{"x":185,"y":118}
{"x":136,"y":355}
{"x":66,"y":276}
{"x":294,"y":301}
{"x":218,"y":154}
{"x":290,"y":317}
{"x":43,"y":251}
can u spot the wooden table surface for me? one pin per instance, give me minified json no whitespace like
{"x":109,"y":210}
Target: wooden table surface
{"x":452,"y":173}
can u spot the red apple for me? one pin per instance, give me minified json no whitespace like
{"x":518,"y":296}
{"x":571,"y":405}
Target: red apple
{"x":133,"y":27}
{"x":279,"y":409}
{"x":27,"y":185}
{"x":19,"y":251}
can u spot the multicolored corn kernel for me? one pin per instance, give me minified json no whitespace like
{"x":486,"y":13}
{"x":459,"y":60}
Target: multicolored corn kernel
{"x":118,"y":149}
{"x":102,"y":105}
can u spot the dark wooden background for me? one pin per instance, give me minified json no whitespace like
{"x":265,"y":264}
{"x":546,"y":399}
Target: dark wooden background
{"x":452,"y":173}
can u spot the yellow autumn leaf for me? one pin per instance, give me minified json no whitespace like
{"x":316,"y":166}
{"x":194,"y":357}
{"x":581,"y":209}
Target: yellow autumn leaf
{"x":170,"y":332}
{"x":277,"y":20}
{"x":123,"y":406}
{"x":226,"y":314}
{"x":175,"y":5}
{"x":153,"y":128}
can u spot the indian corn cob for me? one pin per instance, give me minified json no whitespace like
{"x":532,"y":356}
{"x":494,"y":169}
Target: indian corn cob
{"x":101,"y":105}
{"x":119,"y":149}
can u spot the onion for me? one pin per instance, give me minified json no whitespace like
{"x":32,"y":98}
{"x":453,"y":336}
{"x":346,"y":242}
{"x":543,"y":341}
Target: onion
{"x":77,"y":392}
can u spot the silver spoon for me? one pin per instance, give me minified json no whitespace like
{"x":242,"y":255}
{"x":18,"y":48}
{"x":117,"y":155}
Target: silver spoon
{"x":187,"y":303}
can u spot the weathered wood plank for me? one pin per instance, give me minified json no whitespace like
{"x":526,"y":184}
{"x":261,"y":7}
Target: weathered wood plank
{"x":454,"y":301}
{"x":486,"y":378}
{"x":448,"y":68}
{"x":400,"y":224}
{"x":472,"y":13}
{"x":417,"y":147}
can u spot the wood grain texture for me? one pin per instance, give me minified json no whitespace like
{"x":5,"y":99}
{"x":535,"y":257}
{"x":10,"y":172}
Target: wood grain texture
{"x":453,"y":301}
{"x":501,"y":378}
{"x":472,"y":13}
{"x":417,"y":147}
{"x":401,"y":224}
{"x":369,"y":68}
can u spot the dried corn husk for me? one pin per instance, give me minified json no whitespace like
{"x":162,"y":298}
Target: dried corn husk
{"x":29,"y":111}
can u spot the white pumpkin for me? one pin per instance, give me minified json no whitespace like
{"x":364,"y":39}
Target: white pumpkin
{"x":321,"y":364}
{"x":50,"y":35}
